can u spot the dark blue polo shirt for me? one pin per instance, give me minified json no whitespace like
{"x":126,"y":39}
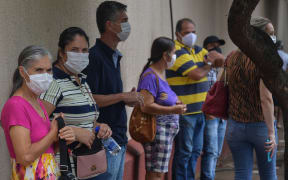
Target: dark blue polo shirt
{"x":104,"y":79}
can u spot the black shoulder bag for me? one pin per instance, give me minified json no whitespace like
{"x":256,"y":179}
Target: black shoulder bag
{"x":65,"y":165}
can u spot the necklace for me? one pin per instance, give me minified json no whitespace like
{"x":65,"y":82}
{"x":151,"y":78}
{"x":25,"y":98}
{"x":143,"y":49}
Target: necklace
{"x":37,"y":107}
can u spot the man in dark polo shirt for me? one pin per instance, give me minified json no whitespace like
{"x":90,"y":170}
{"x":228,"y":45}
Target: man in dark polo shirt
{"x":104,"y":78}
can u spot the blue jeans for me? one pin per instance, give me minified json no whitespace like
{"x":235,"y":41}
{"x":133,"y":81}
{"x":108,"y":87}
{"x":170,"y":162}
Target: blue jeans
{"x":242,"y":139}
{"x":115,"y":166}
{"x":188,"y":146}
{"x":214,"y":134}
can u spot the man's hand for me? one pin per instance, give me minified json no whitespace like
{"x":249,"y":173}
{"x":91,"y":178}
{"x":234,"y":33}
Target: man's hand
{"x":215,"y":58}
{"x":133,"y":98}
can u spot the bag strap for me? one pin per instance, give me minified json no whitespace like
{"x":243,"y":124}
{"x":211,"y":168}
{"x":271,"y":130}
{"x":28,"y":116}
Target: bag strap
{"x":92,"y":99}
{"x":65,"y":165}
{"x":224,"y":76}
{"x":151,"y":72}
{"x":94,"y":103}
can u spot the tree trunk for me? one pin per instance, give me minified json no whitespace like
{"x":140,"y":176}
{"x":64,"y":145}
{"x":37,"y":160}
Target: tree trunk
{"x":258,"y":46}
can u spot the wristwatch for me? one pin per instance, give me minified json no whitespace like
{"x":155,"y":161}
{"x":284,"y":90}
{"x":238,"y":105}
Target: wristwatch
{"x":209,"y":63}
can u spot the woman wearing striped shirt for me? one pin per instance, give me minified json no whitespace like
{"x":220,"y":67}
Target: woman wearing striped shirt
{"x":69,"y":93}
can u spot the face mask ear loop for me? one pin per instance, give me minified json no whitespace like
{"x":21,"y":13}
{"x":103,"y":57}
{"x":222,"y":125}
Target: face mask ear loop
{"x":168,"y":54}
{"x":25,"y":72}
{"x":113,"y":28}
{"x":181,"y":37}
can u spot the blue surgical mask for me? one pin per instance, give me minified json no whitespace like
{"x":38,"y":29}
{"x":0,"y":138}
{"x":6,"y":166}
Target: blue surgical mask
{"x":125,"y":31}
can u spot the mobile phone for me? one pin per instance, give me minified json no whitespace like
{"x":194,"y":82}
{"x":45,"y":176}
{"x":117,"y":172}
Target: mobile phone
{"x":269,"y":159}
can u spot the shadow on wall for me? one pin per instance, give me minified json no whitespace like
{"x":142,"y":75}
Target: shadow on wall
{"x":5,"y":157}
{"x":35,"y":22}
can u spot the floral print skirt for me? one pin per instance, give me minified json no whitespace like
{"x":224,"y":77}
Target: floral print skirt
{"x":43,"y":168}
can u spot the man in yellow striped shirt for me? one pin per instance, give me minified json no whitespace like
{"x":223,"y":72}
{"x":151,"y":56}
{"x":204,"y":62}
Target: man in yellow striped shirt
{"x":188,"y":79}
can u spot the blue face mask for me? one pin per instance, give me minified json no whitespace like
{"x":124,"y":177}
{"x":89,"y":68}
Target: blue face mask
{"x":125,"y":31}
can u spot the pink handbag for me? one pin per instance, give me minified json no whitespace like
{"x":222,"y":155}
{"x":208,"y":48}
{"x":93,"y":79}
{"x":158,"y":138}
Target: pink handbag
{"x":89,"y":166}
{"x":90,"y":162}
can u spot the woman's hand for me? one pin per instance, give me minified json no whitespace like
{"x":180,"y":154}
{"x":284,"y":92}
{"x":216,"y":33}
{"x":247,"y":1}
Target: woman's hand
{"x":271,"y":145}
{"x":209,"y":117}
{"x":104,"y":131}
{"x":179,"y":108}
{"x":84,"y":136}
{"x":179,"y":102}
{"x":67,"y":133}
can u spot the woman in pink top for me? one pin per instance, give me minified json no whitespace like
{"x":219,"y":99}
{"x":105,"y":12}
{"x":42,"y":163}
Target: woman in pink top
{"x":29,"y":134}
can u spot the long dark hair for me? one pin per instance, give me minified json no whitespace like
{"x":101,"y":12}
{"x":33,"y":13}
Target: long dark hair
{"x":66,"y":37}
{"x":159,"y":46}
{"x":29,"y":54}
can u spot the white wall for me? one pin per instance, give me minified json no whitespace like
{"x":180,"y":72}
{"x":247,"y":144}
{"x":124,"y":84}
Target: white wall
{"x":210,"y":17}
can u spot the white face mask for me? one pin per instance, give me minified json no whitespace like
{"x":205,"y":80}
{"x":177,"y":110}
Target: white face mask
{"x":172,"y":62}
{"x":76,"y":62}
{"x":274,"y":39}
{"x":39,"y":83}
{"x":189,"y":39}
{"x":125,"y":31}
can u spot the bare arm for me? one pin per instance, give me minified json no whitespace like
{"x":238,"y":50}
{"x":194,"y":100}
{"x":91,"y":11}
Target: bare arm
{"x":151,"y":107}
{"x":71,"y":133}
{"x":49,"y":107}
{"x":267,"y":107}
{"x":268,"y":112}
{"x":216,"y":59}
{"x":107,"y":100}
{"x":199,"y":72}
{"x":68,"y":133}
{"x":131,"y":98}
{"x":27,"y":152}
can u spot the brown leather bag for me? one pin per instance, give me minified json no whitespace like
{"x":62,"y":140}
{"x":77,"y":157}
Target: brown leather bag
{"x":142,"y":126}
